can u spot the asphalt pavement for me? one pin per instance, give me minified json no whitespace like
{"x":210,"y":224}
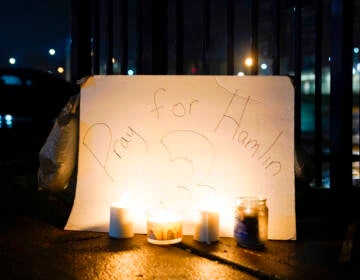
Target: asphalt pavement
{"x":33,"y":244}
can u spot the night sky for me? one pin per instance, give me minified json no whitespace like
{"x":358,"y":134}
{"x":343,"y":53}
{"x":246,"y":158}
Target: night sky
{"x":28,"y":29}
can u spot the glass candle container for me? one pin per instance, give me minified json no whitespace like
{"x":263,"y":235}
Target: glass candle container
{"x":164,"y":227}
{"x":251,"y":222}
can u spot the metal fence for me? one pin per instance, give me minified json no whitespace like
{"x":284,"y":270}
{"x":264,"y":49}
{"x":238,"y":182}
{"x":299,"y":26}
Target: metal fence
{"x":314,"y":42}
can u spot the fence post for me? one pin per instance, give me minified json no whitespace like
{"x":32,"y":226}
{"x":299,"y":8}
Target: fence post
{"x":81,"y":43}
{"x":341,"y":95}
{"x":159,"y":37}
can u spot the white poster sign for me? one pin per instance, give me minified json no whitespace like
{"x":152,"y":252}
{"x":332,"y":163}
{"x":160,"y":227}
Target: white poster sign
{"x":179,"y":140}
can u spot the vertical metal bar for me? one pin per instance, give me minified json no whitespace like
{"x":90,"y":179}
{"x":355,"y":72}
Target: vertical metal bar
{"x":206,"y":36}
{"x":139,"y":26}
{"x":297,"y":71}
{"x":254,"y":36}
{"x":318,"y":93}
{"x":230,"y":37}
{"x":124,"y":37}
{"x":81,"y":44}
{"x":179,"y":37}
{"x":110,"y":38}
{"x":159,"y":37}
{"x":341,"y":95}
{"x":95,"y":38}
{"x":276,"y":36}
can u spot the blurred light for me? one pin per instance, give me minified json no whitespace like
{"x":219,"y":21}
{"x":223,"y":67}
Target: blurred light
{"x":60,"y":70}
{"x":354,"y":71}
{"x":249,"y":61}
{"x":51,"y":51}
{"x":329,"y":58}
{"x":307,"y":87}
{"x":113,"y":60}
{"x":241,"y":73}
{"x":358,"y":67}
{"x":307,"y":77}
{"x":193,"y":70}
{"x":263,"y":66}
{"x":131,"y":72}
{"x":8,"y":118}
{"x":12,"y":60}
{"x":356,"y":50}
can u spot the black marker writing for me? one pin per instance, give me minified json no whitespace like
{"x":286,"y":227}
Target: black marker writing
{"x":248,"y":142}
{"x":119,"y":145}
{"x":97,"y":154}
{"x":125,"y":141}
{"x":201,"y":172}
{"x":178,"y":109}
{"x":156,"y":108}
{"x":225,"y":115}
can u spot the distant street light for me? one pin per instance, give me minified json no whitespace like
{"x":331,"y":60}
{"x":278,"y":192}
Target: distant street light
{"x":249,"y":61}
{"x":51,"y":51}
{"x":60,"y":70}
{"x":12,"y":60}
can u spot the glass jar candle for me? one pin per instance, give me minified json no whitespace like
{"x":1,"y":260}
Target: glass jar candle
{"x":251,"y":222}
{"x":164,"y":227}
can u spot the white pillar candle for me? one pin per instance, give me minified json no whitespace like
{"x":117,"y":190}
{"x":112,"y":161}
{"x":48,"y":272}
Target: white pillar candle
{"x":121,"y":222}
{"x":206,"y":226}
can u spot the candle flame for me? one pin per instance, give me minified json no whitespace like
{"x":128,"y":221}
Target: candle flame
{"x":124,"y":201}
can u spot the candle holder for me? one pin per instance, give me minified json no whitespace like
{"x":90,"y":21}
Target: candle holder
{"x":251,"y":222}
{"x":164,"y":226}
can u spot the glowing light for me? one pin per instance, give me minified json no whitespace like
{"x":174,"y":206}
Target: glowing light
{"x":307,"y":77}
{"x":241,"y":73}
{"x":263,"y":66}
{"x":60,"y":70}
{"x":131,"y":72}
{"x":356,"y":50}
{"x":12,"y":60}
{"x":8,"y":120}
{"x":249,"y":61}
{"x":329,"y":58}
{"x":358,"y":67}
{"x":307,"y":87}
{"x":354,"y":71}
{"x":113,"y":60}
{"x":8,"y":117}
{"x":52,"y":52}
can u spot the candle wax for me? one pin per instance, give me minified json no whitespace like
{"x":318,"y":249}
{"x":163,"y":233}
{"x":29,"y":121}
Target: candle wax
{"x":164,"y":228}
{"x":121,"y":223}
{"x":207,"y":227}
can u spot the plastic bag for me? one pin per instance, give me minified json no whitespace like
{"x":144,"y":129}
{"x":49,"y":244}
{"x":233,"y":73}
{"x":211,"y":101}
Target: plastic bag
{"x":58,"y":155}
